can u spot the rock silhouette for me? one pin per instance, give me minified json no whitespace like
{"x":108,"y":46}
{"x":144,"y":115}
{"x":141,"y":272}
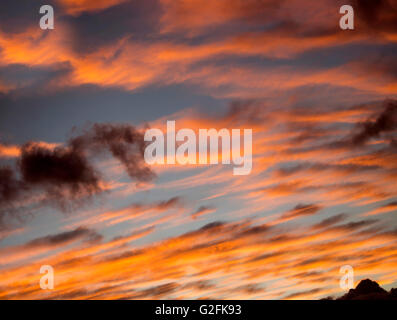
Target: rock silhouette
{"x":369,"y":290}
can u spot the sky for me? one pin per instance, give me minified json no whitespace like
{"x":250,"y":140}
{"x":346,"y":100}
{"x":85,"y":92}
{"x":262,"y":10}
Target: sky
{"x":77,"y":194}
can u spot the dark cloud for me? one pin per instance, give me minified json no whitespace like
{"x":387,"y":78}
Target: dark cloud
{"x":308,"y":274}
{"x":318,"y":167}
{"x":170,"y":203}
{"x":202,"y":210}
{"x":302,"y":210}
{"x":158,"y":291}
{"x":378,"y":15}
{"x":212,"y":226}
{"x":72,"y":294}
{"x":266,"y":256}
{"x":162,"y":205}
{"x":65,"y":237}
{"x":66,"y":174}
{"x":27,"y":80}
{"x":352,"y":226}
{"x":17,"y":16}
{"x":254,"y":230}
{"x":311,"y":261}
{"x":135,"y":20}
{"x":60,"y":168}
{"x":302,"y":293}
{"x":382,"y":124}
{"x":246,"y":111}
{"x":330,"y":221}
{"x":10,"y":187}
{"x":385,"y":122}
{"x":390,"y":204}
{"x":381,"y":64}
{"x":251,"y":288}
{"x":124,"y":142}
{"x":200,"y":285}
{"x":124,"y":255}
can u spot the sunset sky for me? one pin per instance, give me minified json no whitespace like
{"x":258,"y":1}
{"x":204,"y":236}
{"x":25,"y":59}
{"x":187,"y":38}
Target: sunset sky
{"x":76,"y":193}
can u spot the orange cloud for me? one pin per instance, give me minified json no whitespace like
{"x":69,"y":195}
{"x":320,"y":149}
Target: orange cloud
{"x":9,"y":151}
{"x":76,"y":7}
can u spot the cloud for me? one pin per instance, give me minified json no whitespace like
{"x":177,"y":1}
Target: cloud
{"x":203,"y":210}
{"x":14,"y":151}
{"x":386,"y":208}
{"x":65,"y":176}
{"x":281,"y":52}
{"x":378,"y":16}
{"x":385,"y":122}
{"x":21,"y":80}
{"x":10,"y":189}
{"x":124,"y":142}
{"x":318,"y":167}
{"x":302,"y":210}
{"x":234,"y":260}
{"x":76,"y":7}
{"x":301,"y":294}
{"x":132,"y":20}
{"x":330,"y":221}
{"x":188,"y":15}
{"x":64,"y":237}
{"x":167,"y":204}
{"x":9,"y":185}
{"x":9,"y":151}
{"x":353,"y":226}
{"x":66,"y":173}
{"x":15,"y":17}
{"x":157,"y":291}
{"x":134,"y":53}
{"x":158,"y":212}
{"x":60,"y":168}
{"x":45,"y":245}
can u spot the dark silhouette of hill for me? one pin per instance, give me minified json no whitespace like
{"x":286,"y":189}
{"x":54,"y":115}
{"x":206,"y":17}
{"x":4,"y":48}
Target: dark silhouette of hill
{"x":369,"y":290}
